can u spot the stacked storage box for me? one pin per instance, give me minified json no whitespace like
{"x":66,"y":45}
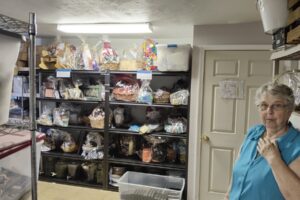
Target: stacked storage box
{"x":291,"y":33}
{"x":293,"y":28}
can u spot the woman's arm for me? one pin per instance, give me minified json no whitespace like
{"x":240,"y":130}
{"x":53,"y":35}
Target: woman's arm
{"x":287,"y":177}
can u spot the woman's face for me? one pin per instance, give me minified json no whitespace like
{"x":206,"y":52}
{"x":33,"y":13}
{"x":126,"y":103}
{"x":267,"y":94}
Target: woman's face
{"x":274,"y":113}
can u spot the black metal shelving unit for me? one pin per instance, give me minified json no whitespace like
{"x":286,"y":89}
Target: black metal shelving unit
{"x":108,"y":131}
{"x":69,"y":100}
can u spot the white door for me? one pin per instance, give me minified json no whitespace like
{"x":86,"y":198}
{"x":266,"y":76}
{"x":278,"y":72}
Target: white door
{"x":225,"y":121}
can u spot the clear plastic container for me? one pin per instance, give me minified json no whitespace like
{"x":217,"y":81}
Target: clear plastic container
{"x":137,"y":185}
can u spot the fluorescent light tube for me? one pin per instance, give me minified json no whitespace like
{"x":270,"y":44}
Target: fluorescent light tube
{"x":105,"y":28}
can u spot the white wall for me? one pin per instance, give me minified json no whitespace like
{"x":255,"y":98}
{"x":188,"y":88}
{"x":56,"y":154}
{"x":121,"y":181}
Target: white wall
{"x":231,"y":34}
{"x":214,"y":37}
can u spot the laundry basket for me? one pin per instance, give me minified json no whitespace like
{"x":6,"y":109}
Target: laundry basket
{"x":143,"y":186}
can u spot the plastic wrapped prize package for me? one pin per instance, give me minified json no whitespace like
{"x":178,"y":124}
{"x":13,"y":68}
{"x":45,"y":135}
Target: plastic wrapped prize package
{"x":49,"y":88}
{"x":182,"y":151}
{"x":126,"y":89}
{"x":127,"y":145}
{"x":61,"y":116}
{"x":84,"y":58}
{"x":94,"y":92}
{"x":75,"y":92}
{"x":109,"y":58}
{"x":89,"y":171}
{"x":52,"y":141}
{"x":145,"y":93}
{"x":158,"y":148}
{"x":132,"y":59}
{"x":15,"y":163}
{"x":173,"y":57}
{"x":115,"y":174}
{"x":119,"y":116}
{"x":180,"y":97}
{"x":46,"y":117}
{"x":65,"y":54}
{"x":69,"y":145}
{"x":93,"y":146}
{"x":149,"y":54}
{"x":176,"y":125}
{"x":161,"y":95}
{"x":48,"y":57}
{"x":97,"y":118}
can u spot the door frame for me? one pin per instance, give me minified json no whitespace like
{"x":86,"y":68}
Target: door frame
{"x":196,"y":102}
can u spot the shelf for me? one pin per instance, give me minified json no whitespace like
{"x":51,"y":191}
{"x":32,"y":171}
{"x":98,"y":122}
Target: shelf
{"x":161,"y":134}
{"x":146,"y":105}
{"x":72,"y":156}
{"x":18,"y":122}
{"x":25,"y":95}
{"x":13,"y":27}
{"x":69,"y":182}
{"x":69,"y":100}
{"x":143,"y":164}
{"x":91,"y":72}
{"x":292,"y":53}
{"x":154,"y":73}
{"x":71,"y":127}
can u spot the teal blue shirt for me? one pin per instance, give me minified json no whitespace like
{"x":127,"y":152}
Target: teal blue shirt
{"x":252,"y":177}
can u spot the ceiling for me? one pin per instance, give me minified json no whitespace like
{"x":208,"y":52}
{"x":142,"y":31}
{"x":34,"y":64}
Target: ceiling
{"x":169,"y":18}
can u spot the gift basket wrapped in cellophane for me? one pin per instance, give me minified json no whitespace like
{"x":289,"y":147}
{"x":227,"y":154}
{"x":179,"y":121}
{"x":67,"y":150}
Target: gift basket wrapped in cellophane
{"x":97,"y":117}
{"x":126,"y":89}
{"x":109,"y":58}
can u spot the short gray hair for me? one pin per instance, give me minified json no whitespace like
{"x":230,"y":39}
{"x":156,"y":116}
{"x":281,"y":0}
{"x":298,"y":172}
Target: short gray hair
{"x":278,"y":90}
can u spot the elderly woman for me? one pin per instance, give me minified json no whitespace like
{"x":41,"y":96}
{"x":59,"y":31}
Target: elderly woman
{"x":268,"y":165}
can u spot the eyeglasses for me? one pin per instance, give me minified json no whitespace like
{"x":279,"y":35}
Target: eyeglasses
{"x":274,"y":107}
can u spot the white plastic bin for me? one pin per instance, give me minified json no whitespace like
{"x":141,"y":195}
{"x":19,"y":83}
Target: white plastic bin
{"x":274,"y":14}
{"x":173,"y":57}
{"x":9,"y":49}
{"x":143,"y":186}
{"x":15,"y":163}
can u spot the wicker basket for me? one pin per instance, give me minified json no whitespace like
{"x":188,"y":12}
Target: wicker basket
{"x":110,"y":66}
{"x":161,"y":96}
{"x":130,"y":65}
{"x":97,"y":123}
{"x":162,"y":100}
{"x":125,"y":97}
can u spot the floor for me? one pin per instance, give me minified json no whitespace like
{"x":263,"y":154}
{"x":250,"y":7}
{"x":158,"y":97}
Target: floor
{"x":54,"y":191}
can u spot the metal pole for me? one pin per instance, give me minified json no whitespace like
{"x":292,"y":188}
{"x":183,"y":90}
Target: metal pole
{"x":32,"y":102}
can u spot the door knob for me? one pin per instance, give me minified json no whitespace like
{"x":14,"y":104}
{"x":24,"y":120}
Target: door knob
{"x":205,"y":138}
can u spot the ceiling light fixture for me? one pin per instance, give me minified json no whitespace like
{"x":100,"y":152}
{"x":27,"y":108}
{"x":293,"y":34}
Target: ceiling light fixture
{"x":105,"y":28}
